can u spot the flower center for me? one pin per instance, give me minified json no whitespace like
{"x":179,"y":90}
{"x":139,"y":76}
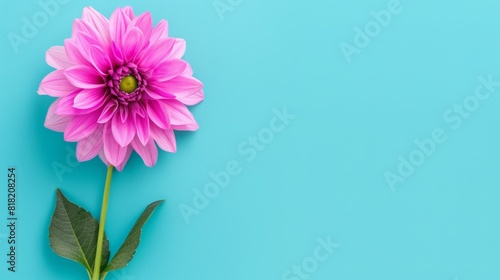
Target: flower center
{"x":128,"y":84}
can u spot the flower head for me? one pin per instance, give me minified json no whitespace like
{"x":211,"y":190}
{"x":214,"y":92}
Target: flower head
{"x":121,"y":85}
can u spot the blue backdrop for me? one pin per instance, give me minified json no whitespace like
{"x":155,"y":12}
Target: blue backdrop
{"x":338,"y":140}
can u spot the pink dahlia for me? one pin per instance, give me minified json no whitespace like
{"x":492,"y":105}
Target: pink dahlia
{"x":121,"y":85}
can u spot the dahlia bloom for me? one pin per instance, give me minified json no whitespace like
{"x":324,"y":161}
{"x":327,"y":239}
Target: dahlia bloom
{"x":121,"y":86}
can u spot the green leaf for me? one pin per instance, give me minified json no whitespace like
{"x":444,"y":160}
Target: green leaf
{"x":127,"y":250}
{"x":73,"y":234}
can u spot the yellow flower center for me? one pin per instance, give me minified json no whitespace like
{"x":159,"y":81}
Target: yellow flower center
{"x":128,"y":84}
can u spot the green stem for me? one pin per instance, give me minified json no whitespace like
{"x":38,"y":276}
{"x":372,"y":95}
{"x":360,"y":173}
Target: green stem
{"x":102,"y":222}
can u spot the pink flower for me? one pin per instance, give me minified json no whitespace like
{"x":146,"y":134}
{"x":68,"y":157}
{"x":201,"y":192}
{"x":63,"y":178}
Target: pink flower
{"x":121,"y":85}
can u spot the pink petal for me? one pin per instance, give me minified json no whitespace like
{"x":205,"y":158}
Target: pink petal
{"x":83,"y":76}
{"x":89,"y":98}
{"x":54,"y":121}
{"x":183,"y":92}
{"x":79,"y":26}
{"x":84,"y":43}
{"x":89,"y":147}
{"x":157,"y":112}
{"x":160,"y":31}
{"x":182,"y":86}
{"x":100,"y":59}
{"x":138,"y":109}
{"x":164,"y":138}
{"x":191,"y":99}
{"x":127,"y":157}
{"x":188,"y":71}
{"x":56,"y":57}
{"x":123,"y":113}
{"x":156,"y":53}
{"x":108,"y":112}
{"x":179,"y":113}
{"x":145,"y":23}
{"x":81,"y":126}
{"x":123,"y":132}
{"x":116,"y":54}
{"x":113,"y":152}
{"x":148,"y":152}
{"x":65,"y":106}
{"x":133,"y":42}
{"x":99,"y":22}
{"x":86,"y":35}
{"x":55,"y":84}
{"x":129,"y":12}
{"x":178,"y":49}
{"x":186,"y":127}
{"x":169,"y":69}
{"x":156,"y":92}
{"x":73,"y":52}
{"x":143,"y":129}
{"x":103,"y":157}
{"x":118,"y":25}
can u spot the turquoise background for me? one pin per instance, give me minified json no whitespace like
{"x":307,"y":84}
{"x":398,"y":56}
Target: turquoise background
{"x":324,"y":175}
